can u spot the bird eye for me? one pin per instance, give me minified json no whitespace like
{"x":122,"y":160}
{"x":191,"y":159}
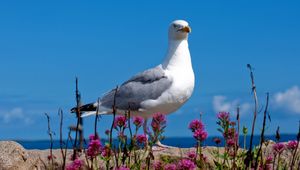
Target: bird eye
{"x":175,"y":26}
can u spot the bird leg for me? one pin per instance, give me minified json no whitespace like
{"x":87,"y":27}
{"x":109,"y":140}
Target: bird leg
{"x":159,"y":145}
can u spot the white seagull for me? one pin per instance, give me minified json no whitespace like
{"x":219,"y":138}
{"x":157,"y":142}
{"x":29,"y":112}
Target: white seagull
{"x":164,"y":88}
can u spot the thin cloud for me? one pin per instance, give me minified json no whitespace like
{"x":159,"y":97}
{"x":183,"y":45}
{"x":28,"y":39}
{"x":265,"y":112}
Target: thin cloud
{"x":288,"y":100}
{"x":13,"y":115}
{"x":222,"y":104}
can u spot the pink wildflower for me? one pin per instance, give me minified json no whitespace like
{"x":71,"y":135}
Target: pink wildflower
{"x":217,"y":140}
{"x":141,"y":139}
{"x":138,"y":121}
{"x":291,"y":145}
{"x":106,"y":151}
{"x":92,"y":137}
{"x":75,"y":165}
{"x":186,"y":164}
{"x":94,"y":146}
{"x":223,"y":116}
{"x":200,"y":135}
{"x":120,"y":122}
{"x":278,"y":148}
{"x":158,"y":122}
{"x":107,"y":132}
{"x":170,"y":167}
{"x":122,"y":168}
{"x":192,"y":155}
{"x":230,"y":142}
{"x":195,"y":125}
{"x":269,"y":159}
{"x":157,"y":165}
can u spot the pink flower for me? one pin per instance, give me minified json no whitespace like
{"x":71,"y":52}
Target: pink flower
{"x":170,"y":167}
{"x":186,"y":164}
{"x":75,"y":165}
{"x":106,"y":151}
{"x":138,"y":121}
{"x":107,"y":132}
{"x":269,"y":159}
{"x":120,"y":122}
{"x":141,"y":139}
{"x":195,"y":125}
{"x":94,"y":147}
{"x":50,"y":157}
{"x":200,"y":135}
{"x":230,"y":142}
{"x":192,"y":155}
{"x":92,"y":137}
{"x":217,"y":140}
{"x":157,"y":165}
{"x":158,"y":122}
{"x":291,"y":145}
{"x":223,"y":116}
{"x":122,"y":168}
{"x":278,"y":148}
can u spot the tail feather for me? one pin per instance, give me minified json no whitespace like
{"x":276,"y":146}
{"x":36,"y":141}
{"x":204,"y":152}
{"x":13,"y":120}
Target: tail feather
{"x":86,"y":114}
{"x":90,"y":109}
{"x":85,"y":108}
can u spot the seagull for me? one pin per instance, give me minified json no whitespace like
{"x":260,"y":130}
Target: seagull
{"x":164,"y":88}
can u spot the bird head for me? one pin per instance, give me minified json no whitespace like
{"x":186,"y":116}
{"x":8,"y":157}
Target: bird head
{"x":179,"y":30}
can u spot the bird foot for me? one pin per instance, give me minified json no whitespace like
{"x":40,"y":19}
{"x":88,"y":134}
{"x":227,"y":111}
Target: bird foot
{"x":159,"y":146}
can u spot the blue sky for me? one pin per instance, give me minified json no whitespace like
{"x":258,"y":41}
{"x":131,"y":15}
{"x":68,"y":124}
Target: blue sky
{"x":44,"y":45}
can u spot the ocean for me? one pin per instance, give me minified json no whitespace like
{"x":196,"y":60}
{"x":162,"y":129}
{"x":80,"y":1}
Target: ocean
{"x":183,"y":142}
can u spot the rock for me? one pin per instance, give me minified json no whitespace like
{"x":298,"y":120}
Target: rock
{"x":12,"y":156}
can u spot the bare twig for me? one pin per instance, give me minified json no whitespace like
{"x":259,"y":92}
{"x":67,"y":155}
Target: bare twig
{"x":78,"y":114}
{"x":277,"y":136}
{"x":249,"y":153}
{"x":262,"y":138}
{"x":50,"y":133}
{"x":61,"y":142}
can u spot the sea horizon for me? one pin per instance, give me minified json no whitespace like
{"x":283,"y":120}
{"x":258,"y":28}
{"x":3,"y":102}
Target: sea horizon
{"x":182,"y":142}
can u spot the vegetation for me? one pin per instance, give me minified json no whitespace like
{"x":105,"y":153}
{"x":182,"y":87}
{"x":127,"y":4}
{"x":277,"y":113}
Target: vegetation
{"x":136,"y":151}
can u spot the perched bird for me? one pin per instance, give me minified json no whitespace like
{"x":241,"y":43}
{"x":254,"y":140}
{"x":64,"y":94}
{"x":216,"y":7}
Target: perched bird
{"x":164,"y":88}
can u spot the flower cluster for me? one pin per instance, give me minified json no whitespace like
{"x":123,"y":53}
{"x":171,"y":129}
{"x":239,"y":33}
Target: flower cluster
{"x":106,"y":152}
{"x":75,"y":165}
{"x":278,"y":148}
{"x":94,"y":147}
{"x":120,"y":121}
{"x":227,"y":129}
{"x":200,"y":135}
{"x":122,"y":168}
{"x":157,"y":165}
{"x":186,"y":164}
{"x":158,"y":122}
{"x":138,"y":121}
{"x":197,"y":127}
{"x":224,"y":116}
{"x":192,"y":155}
{"x":217,"y":140}
{"x":141,"y":139}
{"x":170,"y":166}
{"x":291,"y":145}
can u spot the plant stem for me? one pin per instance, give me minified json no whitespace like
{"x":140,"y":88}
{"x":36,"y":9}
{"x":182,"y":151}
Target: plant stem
{"x":249,"y":153}
{"x":262,"y":133}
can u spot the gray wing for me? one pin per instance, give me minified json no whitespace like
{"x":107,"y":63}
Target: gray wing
{"x":149,"y":84}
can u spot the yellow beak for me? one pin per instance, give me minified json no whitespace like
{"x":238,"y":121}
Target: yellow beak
{"x":186,"y":29}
